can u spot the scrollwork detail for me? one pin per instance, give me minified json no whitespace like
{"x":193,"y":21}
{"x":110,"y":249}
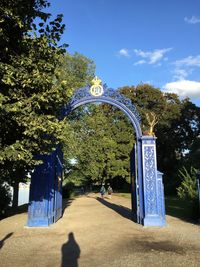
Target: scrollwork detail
{"x":84,"y":93}
{"x":150,"y":179}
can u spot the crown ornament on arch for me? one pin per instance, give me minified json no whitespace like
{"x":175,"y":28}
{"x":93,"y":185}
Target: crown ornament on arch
{"x":96,"y":81}
{"x":96,"y":89}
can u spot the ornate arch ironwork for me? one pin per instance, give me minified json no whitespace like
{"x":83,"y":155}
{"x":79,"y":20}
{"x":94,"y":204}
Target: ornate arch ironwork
{"x":108,"y":95}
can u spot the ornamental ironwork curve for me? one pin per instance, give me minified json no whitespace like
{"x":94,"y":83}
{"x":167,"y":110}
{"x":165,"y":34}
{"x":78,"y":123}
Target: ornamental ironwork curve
{"x":107,"y":93}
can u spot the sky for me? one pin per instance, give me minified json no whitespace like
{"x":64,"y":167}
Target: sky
{"x":137,"y":41}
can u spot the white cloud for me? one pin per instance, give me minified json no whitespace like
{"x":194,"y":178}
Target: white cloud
{"x":184,"y":88}
{"x":185,"y":66}
{"x":180,"y":74}
{"x":151,"y":57}
{"x":140,"y":62}
{"x":191,"y":61}
{"x":192,"y":20}
{"x":124,"y":52}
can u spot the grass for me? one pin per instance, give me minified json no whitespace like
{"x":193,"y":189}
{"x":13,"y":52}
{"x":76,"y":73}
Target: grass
{"x":183,"y":209}
{"x":175,"y":207}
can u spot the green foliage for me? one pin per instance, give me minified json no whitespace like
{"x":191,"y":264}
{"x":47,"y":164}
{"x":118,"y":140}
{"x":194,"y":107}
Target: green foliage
{"x":178,"y":126}
{"x":102,"y":141}
{"x":29,"y":99}
{"x":188,"y":187}
{"x":5,"y":198}
{"x":193,"y":156}
{"x":148,"y":98}
{"x":36,"y":79}
{"x":75,"y":71}
{"x":68,"y":190}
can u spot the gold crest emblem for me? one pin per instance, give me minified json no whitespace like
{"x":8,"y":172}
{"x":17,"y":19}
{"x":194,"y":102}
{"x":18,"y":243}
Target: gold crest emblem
{"x":96,"y":89}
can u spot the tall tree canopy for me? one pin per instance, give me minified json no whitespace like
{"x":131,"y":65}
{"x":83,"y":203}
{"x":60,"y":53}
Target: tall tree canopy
{"x":103,"y":140}
{"x":178,"y":126}
{"x":29,"y":97}
{"x":36,"y":79}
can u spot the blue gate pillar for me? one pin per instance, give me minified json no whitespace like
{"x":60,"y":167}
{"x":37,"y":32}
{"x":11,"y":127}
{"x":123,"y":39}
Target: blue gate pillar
{"x":41,"y":200}
{"x":154,"y":209}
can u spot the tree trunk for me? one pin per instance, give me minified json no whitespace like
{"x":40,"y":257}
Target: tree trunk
{"x":15,"y":194}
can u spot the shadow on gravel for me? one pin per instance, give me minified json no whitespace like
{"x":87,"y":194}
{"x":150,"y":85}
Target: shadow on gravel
{"x":123,"y":211}
{"x":70,"y":252}
{"x":3,"y":240}
{"x":13,"y":211}
{"x":150,"y":246}
{"x":66,"y":203}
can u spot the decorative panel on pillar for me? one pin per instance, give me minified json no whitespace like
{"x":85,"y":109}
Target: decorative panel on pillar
{"x":154,"y":214}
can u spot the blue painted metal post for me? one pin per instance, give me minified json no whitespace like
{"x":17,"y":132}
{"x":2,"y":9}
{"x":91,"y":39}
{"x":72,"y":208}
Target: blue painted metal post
{"x":134,"y":185}
{"x":154,"y":214}
{"x":41,"y":202}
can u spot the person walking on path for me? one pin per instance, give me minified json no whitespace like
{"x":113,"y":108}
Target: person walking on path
{"x":102,"y":191}
{"x":110,"y":191}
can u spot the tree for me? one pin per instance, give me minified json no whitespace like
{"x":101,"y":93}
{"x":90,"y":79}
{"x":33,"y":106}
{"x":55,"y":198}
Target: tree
{"x":192,"y":157}
{"x":33,"y":87}
{"x":149,"y":99}
{"x":5,"y":198}
{"x":75,"y":71}
{"x":28,"y":59}
{"x":177,"y":127}
{"x":103,"y":140}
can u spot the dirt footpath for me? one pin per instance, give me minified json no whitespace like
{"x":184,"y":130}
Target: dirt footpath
{"x":98,"y":233}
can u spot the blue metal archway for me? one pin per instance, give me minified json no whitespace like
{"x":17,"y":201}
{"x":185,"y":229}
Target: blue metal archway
{"x":147,"y":193}
{"x":110,"y":96}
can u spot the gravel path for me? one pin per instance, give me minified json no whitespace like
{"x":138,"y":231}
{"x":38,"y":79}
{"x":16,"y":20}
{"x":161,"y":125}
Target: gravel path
{"x":94,"y":233}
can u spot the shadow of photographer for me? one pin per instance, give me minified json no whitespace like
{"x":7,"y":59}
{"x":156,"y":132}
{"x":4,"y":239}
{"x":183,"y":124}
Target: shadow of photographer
{"x":70,"y":252}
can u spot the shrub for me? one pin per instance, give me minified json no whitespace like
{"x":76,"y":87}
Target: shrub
{"x":5,"y":199}
{"x":68,"y":190}
{"x":188,"y":187}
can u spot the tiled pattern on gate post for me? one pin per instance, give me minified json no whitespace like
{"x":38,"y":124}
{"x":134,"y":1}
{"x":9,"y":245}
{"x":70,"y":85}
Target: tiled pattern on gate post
{"x":154,"y":213}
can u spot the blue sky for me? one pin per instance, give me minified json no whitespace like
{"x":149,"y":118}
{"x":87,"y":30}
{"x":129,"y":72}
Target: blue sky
{"x":134,"y":41}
